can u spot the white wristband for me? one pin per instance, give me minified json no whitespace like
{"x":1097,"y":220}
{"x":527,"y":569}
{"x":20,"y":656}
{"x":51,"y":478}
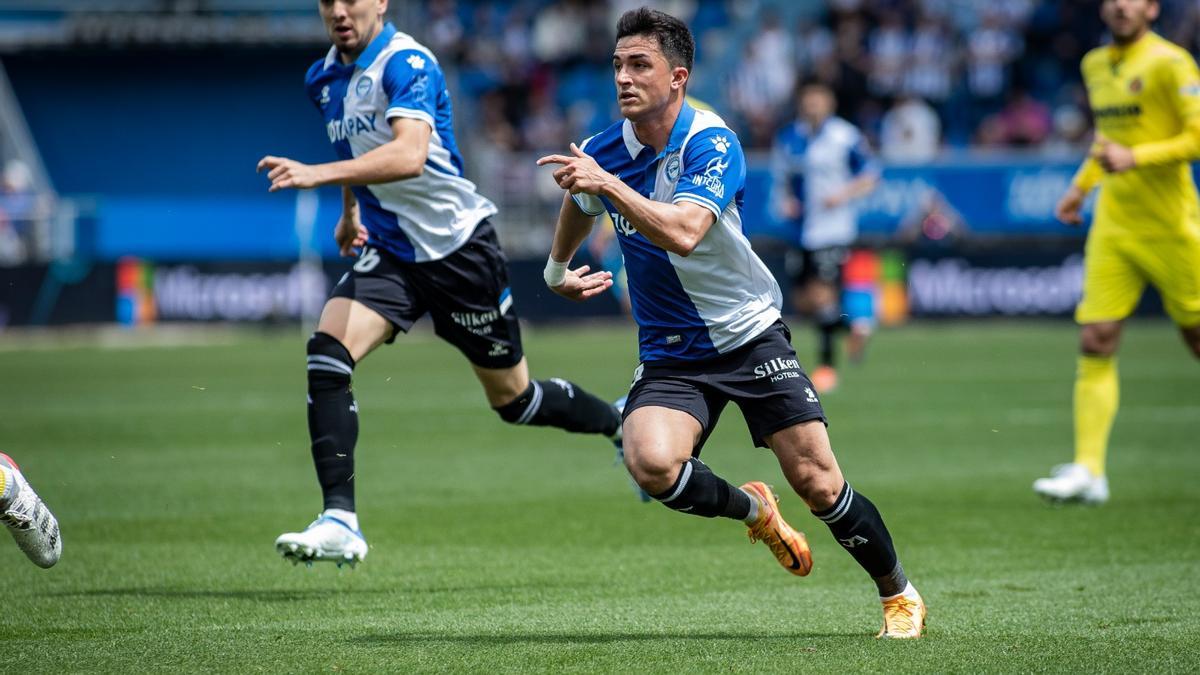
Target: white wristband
{"x":555,"y":273}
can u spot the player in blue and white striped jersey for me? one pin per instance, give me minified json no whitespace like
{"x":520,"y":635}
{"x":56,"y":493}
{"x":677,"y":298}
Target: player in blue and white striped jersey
{"x":427,"y":248}
{"x":822,"y":166}
{"x":707,"y":309}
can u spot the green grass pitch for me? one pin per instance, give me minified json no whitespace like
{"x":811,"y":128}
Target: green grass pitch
{"x":497,"y":548}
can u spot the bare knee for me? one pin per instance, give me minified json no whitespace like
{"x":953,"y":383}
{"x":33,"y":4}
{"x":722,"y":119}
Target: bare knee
{"x":1099,"y":339}
{"x":808,"y":463}
{"x":654,"y":471}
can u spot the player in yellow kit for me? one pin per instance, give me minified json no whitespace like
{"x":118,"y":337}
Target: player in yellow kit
{"x":1145,"y":97}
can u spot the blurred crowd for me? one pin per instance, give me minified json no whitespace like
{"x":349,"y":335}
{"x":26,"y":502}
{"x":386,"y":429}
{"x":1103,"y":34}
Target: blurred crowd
{"x":916,"y":75}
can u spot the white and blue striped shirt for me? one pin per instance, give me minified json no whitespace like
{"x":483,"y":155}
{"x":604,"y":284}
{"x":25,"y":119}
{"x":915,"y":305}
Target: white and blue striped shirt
{"x":417,"y":219}
{"x":721,"y":296}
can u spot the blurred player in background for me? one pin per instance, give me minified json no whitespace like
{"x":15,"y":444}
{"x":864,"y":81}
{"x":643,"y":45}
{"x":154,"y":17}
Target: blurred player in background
{"x":428,"y":247}
{"x":672,"y":180}
{"x":32,"y":525}
{"x":1145,"y":96}
{"x":822,"y":165}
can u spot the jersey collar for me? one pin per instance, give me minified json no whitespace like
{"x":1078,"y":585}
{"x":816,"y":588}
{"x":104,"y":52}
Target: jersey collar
{"x":367,"y":57}
{"x":679,"y":132}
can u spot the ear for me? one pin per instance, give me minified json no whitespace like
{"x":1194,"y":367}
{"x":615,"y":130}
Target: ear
{"x":679,"y":77}
{"x":1154,"y":10}
{"x":383,"y":7}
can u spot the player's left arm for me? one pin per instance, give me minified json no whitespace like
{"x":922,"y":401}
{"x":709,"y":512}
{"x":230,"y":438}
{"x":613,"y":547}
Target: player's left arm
{"x":1182,"y":85}
{"x":676,"y":227}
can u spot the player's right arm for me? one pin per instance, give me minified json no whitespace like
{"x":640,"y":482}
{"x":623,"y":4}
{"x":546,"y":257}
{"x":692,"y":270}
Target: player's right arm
{"x":572,"y":228}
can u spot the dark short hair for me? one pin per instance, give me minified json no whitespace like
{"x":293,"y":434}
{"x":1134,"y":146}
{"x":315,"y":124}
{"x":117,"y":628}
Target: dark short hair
{"x":674,"y":38}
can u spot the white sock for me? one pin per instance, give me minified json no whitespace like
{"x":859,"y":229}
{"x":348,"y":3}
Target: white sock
{"x":753,"y":508}
{"x":908,"y":592}
{"x":348,"y":517}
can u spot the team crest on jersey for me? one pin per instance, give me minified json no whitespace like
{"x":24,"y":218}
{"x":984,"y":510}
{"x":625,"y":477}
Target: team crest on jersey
{"x":325,"y":95}
{"x":364,"y":86}
{"x":672,"y":171}
{"x":1135,"y":85}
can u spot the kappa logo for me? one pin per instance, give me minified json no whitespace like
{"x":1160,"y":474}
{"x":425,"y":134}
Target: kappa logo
{"x":416,"y":62}
{"x":363,"y":86}
{"x":721,"y":143}
{"x":325,"y":95}
{"x":852,"y":541}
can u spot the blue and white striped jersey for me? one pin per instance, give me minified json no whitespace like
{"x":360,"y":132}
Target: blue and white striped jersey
{"x":721,"y":296}
{"x":814,"y":165}
{"x":418,"y":219}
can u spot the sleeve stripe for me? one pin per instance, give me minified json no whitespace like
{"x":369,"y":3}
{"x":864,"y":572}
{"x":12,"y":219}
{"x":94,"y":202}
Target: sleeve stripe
{"x":410,"y":113}
{"x":697,"y":199}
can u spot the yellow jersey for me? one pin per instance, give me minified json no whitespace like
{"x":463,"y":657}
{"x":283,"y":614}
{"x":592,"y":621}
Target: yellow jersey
{"x":1146,"y":96}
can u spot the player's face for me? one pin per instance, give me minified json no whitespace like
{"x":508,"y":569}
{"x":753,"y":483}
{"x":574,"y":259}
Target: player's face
{"x":816,"y":104}
{"x":1128,"y":19}
{"x":644,"y":78}
{"x":352,"y":24}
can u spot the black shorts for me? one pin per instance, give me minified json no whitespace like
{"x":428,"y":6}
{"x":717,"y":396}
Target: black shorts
{"x":466,"y":293}
{"x":763,"y":378}
{"x":821,"y":264}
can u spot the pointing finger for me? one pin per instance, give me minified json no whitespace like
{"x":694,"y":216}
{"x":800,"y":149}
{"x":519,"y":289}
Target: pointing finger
{"x":553,"y":159}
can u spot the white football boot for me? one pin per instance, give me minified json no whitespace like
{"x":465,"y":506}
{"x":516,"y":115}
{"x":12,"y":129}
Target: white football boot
{"x":1072,"y":483}
{"x":32,"y":525}
{"x":326,"y":538}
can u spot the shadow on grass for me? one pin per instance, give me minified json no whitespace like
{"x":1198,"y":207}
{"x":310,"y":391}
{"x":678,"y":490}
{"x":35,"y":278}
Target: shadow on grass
{"x":406,"y":639}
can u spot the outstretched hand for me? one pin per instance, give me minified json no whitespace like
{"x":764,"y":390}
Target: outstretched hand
{"x":288,"y":173}
{"x":579,"y":172}
{"x":579,"y":285}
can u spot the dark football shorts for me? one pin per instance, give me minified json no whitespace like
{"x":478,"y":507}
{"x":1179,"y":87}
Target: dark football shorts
{"x":763,"y":378}
{"x":466,"y":293}
{"x":821,"y":264}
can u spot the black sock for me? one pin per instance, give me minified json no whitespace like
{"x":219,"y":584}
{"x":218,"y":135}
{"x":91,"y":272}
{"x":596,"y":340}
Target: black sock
{"x":701,"y":492}
{"x":558,"y":403}
{"x":829,"y":322}
{"x":332,"y":419}
{"x":857,"y":525}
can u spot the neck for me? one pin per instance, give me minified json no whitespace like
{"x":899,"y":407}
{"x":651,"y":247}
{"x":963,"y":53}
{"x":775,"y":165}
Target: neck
{"x":351,"y":56}
{"x":1125,"y":42}
{"x":655,"y":130}
{"x":815,"y":123}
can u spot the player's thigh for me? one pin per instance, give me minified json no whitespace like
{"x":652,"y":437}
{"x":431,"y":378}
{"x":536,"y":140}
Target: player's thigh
{"x":371,"y":303}
{"x":657,"y":441}
{"x":807,"y":460}
{"x":1173,"y":267}
{"x":503,"y":385}
{"x":359,"y":328}
{"x":472,"y":306}
{"x":1112,"y":282}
